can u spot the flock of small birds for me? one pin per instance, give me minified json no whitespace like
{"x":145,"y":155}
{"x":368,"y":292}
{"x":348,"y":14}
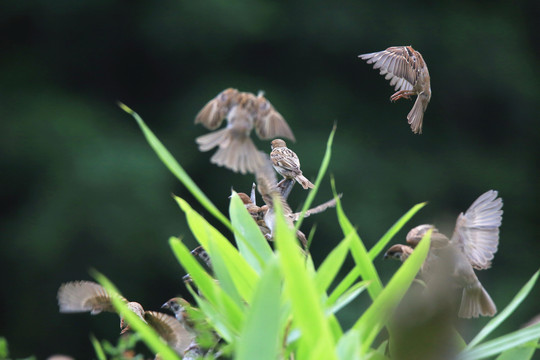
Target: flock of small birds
{"x":472,"y":245}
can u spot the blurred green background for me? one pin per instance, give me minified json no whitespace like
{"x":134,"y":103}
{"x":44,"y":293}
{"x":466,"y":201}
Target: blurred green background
{"x":82,"y":189}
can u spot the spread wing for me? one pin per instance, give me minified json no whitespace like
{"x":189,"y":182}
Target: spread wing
{"x":216,"y":110}
{"x":286,"y":159}
{"x":399,"y":65}
{"x":477,"y":231}
{"x":82,"y":296}
{"x":269,"y":123}
{"x":170,"y":330}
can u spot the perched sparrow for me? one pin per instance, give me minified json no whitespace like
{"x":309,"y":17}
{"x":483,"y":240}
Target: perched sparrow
{"x":472,"y":246}
{"x":286,"y":163}
{"x":407,"y":70}
{"x":270,"y":193}
{"x":83,"y":296}
{"x":179,"y":307}
{"x":243,"y":111}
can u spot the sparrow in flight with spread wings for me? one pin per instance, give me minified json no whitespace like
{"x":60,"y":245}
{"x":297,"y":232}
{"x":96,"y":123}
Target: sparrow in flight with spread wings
{"x":87,"y":296}
{"x":243,"y":111}
{"x":472,"y":246}
{"x":408,"y":72}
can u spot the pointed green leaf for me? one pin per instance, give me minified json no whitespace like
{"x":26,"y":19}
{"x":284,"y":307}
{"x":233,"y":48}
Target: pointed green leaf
{"x":322,"y":170}
{"x":316,"y":341}
{"x":377,"y":315}
{"x":508,"y":310}
{"x":503,"y":343}
{"x":250,"y":241}
{"x":260,"y":336}
{"x":348,"y":347}
{"x":326,"y":273}
{"x":175,"y":167}
{"x":347,"y":297}
{"x":381,"y":244}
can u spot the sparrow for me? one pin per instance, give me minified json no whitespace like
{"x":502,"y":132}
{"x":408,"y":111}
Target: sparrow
{"x":287,"y":164}
{"x":270,"y":192}
{"x":472,"y":246}
{"x":243,"y":111}
{"x":83,"y":296}
{"x":407,"y":70}
{"x":192,"y":319}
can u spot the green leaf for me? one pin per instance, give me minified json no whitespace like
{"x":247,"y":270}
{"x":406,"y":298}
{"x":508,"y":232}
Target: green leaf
{"x":4,"y":349}
{"x":346,"y":298}
{"x":260,"y":336}
{"x":322,"y":170}
{"x":363,"y":262}
{"x":348,"y":347}
{"x":377,"y":315}
{"x":97,"y":348}
{"x":345,"y":284}
{"x":148,"y":335}
{"x":237,"y":277}
{"x":503,"y":343}
{"x":316,"y":341}
{"x":175,"y":167}
{"x":326,"y":273}
{"x":232,"y":315}
{"x":381,"y":244}
{"x":508,"y":310}
{"x":250,"y":241}
{"x":523,"y":352}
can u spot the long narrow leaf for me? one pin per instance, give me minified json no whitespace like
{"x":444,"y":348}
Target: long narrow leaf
{"x":148,"y":335}
{"x":175,"y":167}
{"x":316,"y":341}
{"x":261,"y":333}
{"x":376,"y":316}
{"x":523,"y":352}
{"x":503,"y":343}
{"x":215,"y":295}
{"x":98,"y":348}
{"x":345,"y":284}
{"x":322,"y":170}
{"x":249,"y":238}
{"x":363,"y":262}
{"x":235,"y":268}
{"x":381,"y":244}
{"x":331,"y":265}
{"x":347,"y":297}
{"x":508,"y":310}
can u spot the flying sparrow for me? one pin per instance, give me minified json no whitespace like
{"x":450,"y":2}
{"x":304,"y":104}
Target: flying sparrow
{"x":407,"y":70}
{"x":287,"y":164}
{"x":83,"y":296}
{"x":243,"y":111}
{"x":472,"y":246}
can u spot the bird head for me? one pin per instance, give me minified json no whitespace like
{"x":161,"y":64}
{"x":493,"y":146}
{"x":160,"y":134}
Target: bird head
{"x":277,"y":143}
{"x":398,"y":252}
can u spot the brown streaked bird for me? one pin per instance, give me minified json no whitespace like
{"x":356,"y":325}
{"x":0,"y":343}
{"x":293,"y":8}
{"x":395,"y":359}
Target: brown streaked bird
{"x":270,"y":192}
{"x":243,"y":111}
{"x":287,"y":164}
{"x":87,"y":296}
{"x":472,"y":246}
{"x":408,"y":72}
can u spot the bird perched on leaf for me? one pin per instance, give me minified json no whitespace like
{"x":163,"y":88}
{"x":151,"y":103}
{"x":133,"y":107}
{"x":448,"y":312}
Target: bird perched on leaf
{"x":408,"y":72}
{"x":87,"y":296}
{"x":287,"y":164}
{"x":472,"y":246}
{"x":243,"y":111}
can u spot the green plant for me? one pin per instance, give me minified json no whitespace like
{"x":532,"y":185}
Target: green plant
{"x":270,"y":304}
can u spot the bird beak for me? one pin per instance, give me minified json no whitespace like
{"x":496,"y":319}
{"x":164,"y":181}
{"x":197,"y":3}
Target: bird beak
{"x":165,"y":306}
{"x":386,"y":256}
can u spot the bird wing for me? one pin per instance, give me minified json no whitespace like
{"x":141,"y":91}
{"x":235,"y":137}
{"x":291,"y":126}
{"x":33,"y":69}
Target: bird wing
{"x":170,"y":330}
{"x":477,"y":231}
{"x":216,"y":110}
{"x":399,"y":64}
{"x":82,"y":296}
{"x":269,"y":123}
{"x":285,"y":158}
